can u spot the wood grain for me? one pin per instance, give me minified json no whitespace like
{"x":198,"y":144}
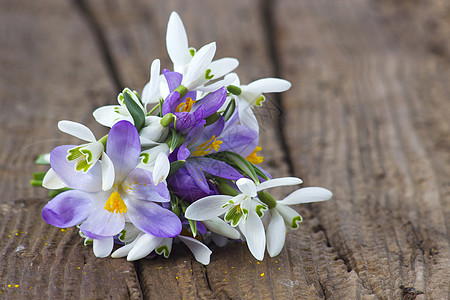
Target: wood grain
{"x":367,"y":117}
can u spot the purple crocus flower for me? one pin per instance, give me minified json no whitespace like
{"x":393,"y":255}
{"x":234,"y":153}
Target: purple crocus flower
{"x":190,"y":182}
{"x":131,"y":195}
{"x":187,"y":109}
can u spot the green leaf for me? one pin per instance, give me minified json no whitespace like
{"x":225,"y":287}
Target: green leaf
{"x":175,"y":166}
{"x":43,"y":159}
{"x":231,"y":107}
{"x":176,"y":139}
{"x":54,"y":193}
{"x":192,"y":223}
{"x":259,"y":172}
{"x":135,"y":111}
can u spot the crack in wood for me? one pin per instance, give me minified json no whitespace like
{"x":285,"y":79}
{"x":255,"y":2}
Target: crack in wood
{"x":99,"y":37}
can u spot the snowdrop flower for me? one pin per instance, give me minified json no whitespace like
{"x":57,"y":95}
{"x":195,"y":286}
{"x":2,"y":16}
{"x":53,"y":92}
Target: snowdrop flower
{"x":151,"y":92}
{"x":156,"y":160}
{"x":130,"y":196}
{"x":282,"y":215}
{"x":146,"y":243}
{"x":252,"y":95}
{"x":196,"y":67}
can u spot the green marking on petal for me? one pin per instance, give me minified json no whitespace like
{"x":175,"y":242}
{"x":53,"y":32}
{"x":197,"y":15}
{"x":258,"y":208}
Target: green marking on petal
{"x":260,"y":100}
{"x":82,"y":165}
{"x":122,"y":235}
{"x":208,"y":74}
{"x":234,"y":215}
{"x":234,"y":89}
{"x":260,"y":210}
{"x":145,"y":157}
{"x":296,"y":221}
{"x":163,"y":250}
{"x":192,"y":51}
{"x":74,"y":153}
{"x":88,"y":242}
{"x":88,"y":155}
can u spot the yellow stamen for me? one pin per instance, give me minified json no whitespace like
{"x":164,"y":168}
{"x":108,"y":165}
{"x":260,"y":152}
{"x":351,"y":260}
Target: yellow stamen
{"x":208,"y":146}
{"x":255,"y":159}
{"x":115,"y":204}
{"x":185,"y":106}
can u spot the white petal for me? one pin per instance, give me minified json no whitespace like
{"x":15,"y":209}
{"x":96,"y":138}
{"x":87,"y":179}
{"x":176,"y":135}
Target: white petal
{"x":198,"y":66}
{"x":253,"y":229}
{"x":201,"y":253}
{"x":283,"y":181}
{"x":247,"y":116}
{"x":154,"y":152}
{"x":233,"y":78}
{"x":221,"y":227}
{"x":153,"y":129}
{"x":268,"y":85}
{"x":276,"y":233}
{"x":207,"y":208}
{"x":307,"y":195}
{"x":103,"y":247}
{"x":77,"y":130}
{"x":177,"y":41}
{"x":223,"y":66}
{"x":150,"y":91}
{"x":124,"y":250}
{"x":143,"y":247}
{"x":107,"y":172}
{"x":164,"y":247}
{"x":161,"y":169}
{"x":246,"y":186}
{"x":215,"y":86}
{"x":145,"y":142}
{"x":290,"y":216}
{"x":107,"y":116}
{"x":51,"y":181}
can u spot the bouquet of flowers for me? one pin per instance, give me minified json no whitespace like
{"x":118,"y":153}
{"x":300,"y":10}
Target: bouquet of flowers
{"x":179,"y":164}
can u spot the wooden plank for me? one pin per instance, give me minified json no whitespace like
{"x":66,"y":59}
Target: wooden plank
{"x":368,"y":118}
{"x":51,"y":70}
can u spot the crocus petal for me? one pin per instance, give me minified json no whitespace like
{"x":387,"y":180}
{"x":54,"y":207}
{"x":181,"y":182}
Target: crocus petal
{"x":104,"y":223}
{"x":177,"y":41}
{"x":68,"y":209}
{"x":153,"y":219}
{"x":183,"y":153}
{"x":198,"y":176}
{"x":91,"y":181}
{"x":276,"y":233}
{"x":290,"y":216}
{"x":207,"y":208}
{"x":143,"y":247}
{"x":268,"y":85}
{"x":201,"y":253}
{"x":123,"y":251}
{"x":247,"y":187}
{"x":283,"y":181}
{"x":51,"y":181}
{"x":215,"y":167}
{"x":173,"y":80}
{"x":107,"y":172}
{"x":150,"y":91}
{"x":213,"y":101}
{"x":139,"y":185}
{"x":253,"y":230}
{"x":77,"y":130}
{"x":221,"y":227}
{"x":198,"y":65}
{"x":162,"y":168}
{"x":103,"y":247}
{"x":123,"y":147}
{"x":307,"y":195}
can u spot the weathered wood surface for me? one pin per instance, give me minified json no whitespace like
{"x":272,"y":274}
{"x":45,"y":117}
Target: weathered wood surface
{"x":367,"y":117}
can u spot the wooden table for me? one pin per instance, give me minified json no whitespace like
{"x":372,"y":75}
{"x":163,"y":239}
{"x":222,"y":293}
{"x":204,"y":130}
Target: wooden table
{"x":368,"y":117}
